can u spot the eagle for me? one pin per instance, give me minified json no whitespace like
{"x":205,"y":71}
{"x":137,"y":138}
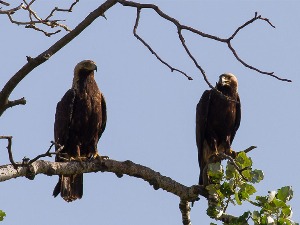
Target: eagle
{"x":217,"y":120}
{"x":80,"y":120}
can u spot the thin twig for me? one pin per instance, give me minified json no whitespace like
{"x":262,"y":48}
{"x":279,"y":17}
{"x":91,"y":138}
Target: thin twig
{"x":47,"y":153}
{"x":10,"y":155}
{"x":4,"y":3}
{"x":150,"y":49}
{"x":70,"y":9}
{"x":193,"y":58}
{"x":254,"y":68}
{"x":35,"y":19}
{"x":13,"y":103}
{"x":249,"y":149}
{"x":13,"y":10}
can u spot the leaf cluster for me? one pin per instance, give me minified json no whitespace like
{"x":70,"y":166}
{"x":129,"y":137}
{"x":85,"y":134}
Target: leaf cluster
{"x":235,"y":185}
{"x":2,"y":215}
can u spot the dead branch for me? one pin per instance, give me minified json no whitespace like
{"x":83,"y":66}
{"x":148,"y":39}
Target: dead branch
{"x":10,"y":155}
{"x":4,"y":3}
{"x":150,"y":49}
{"x":181,"y":27}
{"x":34,"y":19}
{"x":44,"y":56}
{"x":13,"y":10}
{"x":185,"y":210}
{"x":127,"y":167}
{"x":20,"y":101}
{"x":56,"y":9}
{"x":249,"y":149}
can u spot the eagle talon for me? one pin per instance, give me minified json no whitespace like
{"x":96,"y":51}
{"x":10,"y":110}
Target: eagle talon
{"x":97,"y":157}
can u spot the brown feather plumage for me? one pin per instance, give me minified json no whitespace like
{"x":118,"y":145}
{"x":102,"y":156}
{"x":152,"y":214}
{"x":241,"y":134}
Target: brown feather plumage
{"x":217,"y":120}
{"x":80,"y":120}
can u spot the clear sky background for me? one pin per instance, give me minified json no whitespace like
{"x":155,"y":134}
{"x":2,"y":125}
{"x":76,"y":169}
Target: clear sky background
{"x":151,"y":111}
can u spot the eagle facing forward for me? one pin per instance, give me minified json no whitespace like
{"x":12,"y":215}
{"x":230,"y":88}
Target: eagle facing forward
{"x":80,"y":120}
{"x":217,"y":120}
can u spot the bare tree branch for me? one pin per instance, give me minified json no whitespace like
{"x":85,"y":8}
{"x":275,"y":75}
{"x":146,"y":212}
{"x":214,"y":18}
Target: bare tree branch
{"x":44,"y":56}
{"x":61,"y":10}
{"x":35,"y":19}
{"x":9,"y":144}
{"x":154,"y":178}
{"x":13,"y":10}
{"x":4,"y":3}
{"x":185,"y":210}
{"x":181,"y":27}
{"x":150,"y":49}
{"x":20,"y":101}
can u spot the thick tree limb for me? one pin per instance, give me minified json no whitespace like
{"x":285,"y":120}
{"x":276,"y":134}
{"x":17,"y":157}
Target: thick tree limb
{"x":185,"y":210}
{"x":127,"y":167}
{"x":44,"y":56}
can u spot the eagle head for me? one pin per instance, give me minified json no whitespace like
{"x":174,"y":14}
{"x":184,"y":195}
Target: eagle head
{"x":228,"y":81}
{"x":83,"y":70}
{"x":85,"y":66}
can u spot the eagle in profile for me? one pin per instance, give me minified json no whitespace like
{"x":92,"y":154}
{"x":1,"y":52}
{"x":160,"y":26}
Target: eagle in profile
{"x":80,"y":120}
{"x":217,"y":120}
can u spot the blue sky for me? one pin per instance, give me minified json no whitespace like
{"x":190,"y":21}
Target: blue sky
{"x":151,"y":111}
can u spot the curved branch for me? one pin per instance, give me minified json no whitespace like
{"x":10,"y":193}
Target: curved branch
{"x":44,"y":56}
{"x":119,"y":168}
{"x":150,"y":49}
{"x":181,"y":27}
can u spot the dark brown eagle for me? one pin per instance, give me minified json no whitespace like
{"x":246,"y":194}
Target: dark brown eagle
{"x":80,"y":120}
{"x":217,"y":120}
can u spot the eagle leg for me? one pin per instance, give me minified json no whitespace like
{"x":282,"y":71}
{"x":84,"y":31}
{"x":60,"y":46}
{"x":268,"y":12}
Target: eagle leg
{"x":78,"y":157}
{"x":214,"y":157}
{"x":97,"y":156}
{"x":228,"y":150}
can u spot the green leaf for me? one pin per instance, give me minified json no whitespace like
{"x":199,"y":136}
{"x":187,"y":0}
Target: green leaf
{"x":215,"y":172}
{"x":214,"y":212}
{"x":256,"y":217}
{"x":237,"y":198}
{"x":261,"y":200}
{"x":230,"y":171}
{"x":278,"y":203}
{"x":285,"y":193}
{"x":256,"y":176}
{"x":212,"y":189}
{"x":2,"y":215}
{"x":226,"y":189}
{"x":283,"y":221}
{"x":246,"y":191}
{"x":243,"y":218}
{"x":243,"y":160}
{"x":247,"y":174}
{"x":286,"y":211}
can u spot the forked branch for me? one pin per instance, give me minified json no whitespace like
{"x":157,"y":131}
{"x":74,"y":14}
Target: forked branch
{"x":181,"y":27}
{"x":36,"y":22}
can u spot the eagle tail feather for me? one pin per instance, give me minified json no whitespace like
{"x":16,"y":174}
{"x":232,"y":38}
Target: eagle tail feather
{"x":69,"y":187}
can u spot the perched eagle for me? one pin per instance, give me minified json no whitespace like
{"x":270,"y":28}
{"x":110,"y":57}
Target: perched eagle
{"x":80,"y":120}
{"x":217,"y":120}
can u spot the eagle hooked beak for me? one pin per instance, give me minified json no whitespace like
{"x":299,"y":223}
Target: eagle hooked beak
{"x":224,"y":81}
